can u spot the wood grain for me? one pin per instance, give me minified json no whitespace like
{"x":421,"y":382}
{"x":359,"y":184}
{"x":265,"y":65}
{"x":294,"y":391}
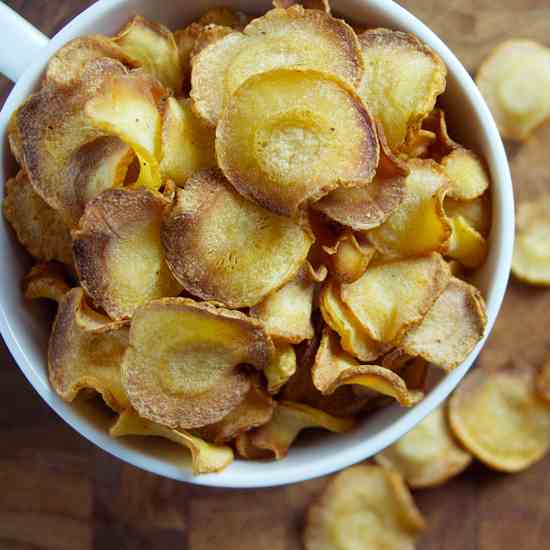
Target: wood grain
{"x":57,"y":491}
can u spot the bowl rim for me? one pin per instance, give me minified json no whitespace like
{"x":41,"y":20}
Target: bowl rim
{"x":325,"y":464}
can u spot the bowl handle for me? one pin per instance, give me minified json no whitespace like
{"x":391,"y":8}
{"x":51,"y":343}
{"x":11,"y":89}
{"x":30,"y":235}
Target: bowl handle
{"x":19,"y":43}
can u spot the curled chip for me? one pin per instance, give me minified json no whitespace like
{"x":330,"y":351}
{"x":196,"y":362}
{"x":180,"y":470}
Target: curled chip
{"x":224,"y":16}
{"x":419,"y":143}
{"x":476,"y":212}
{"x":350,"y":257}
{"x":531,"y":262}
{"x":497,"y":415}
{"x":182,"y":368}
{"x":14,"y":139}
{"x":281,"y":368}
{"x":402,"y":80}
{"x":451,"y":328}
{"x":396,"y":359}
{"x":187,"y":144}
{"x":369,"y":206}
{"x":466,"y":245}
{"x":467,"y":175}
{"x":118,"y":253}
{"x":334,"y":368}
{"x":222,"y":247}
{"x":392,"y":297}
{"x":208,"y":35}
{"x":38,"y":227}
{"x":543,"y":382}
{"x":307,"y":4}
{"x":286,"y":313}
{"x":514,"y":80}
{"x":436,"y":123}
{"x":428,"y":455}
{"x":86,"y":351}
{"x":294,"y":37}
{"x":154,"y":47}
{"x":306,"y":134}
{"x":364,"y":507}
{"x":288,"y":420}
{"x":47,"y":280}
{"x":205,"y":457}
{"x":185,"y":41}
{"x":353,"y":337}
{"x":419,"y":224}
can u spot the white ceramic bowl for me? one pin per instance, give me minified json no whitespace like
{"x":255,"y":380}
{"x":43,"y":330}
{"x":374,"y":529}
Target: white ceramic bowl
{"x":24,"y":53}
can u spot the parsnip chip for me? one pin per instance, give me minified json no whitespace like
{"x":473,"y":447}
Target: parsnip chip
{"x":514,"y":80}
{"x":396,"y":359}
{"x":366,"y":507}
{"x":289,"y":136}
{"x":466,"y":245}
{"x":185,"y":41}
{"x":543,"y":381}
{"x":436,"y":123}
{"x":182,"y":366}
{"x":451,"y":328}
{"x":187,"y":144}
{"x":476,"y":212}
{"x":222,"y":247}
{"x":350,"y":257}
{"x":322,"y":5}
{"x":467,"y":175}
{"x":47,"y":280}
{"x":14,"y":139}
{"x":497,"y":415}
{"x":206,"y":458}
{"x":415,"y":374}
{"x":118,"y":253}
{"x":288,"y":420}
{"x":154,"y":46}
{"x":38,"y":227}
{"x":86,"y":351}
{"x":208,"y":35}
{"x":334,"y":368}
{"x":402,"y":80}
{"x":418,"y":143}
{"x":419,"y":224}
{"x":428,"y":455}
{"x":286,"y":313}
{"x":353,"y":337}
{"x":531,"y":261}
{"x":294,"y":37}
{"x":392,"y":297}
{"x":281,"y":368}
{"x":224,"y":16}
{"x":66,"y":66}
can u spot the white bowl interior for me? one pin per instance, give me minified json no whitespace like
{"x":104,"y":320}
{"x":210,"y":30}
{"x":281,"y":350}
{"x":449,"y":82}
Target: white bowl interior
{"x":25,"y":327}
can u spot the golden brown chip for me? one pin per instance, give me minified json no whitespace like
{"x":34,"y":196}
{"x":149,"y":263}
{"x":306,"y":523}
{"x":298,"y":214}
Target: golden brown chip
{"x":428,"y":455}
{"x":222,"y":247}
{"x":419,"y":224}
{"x":118,"y":252}
{"x":531,"y":261}
{"x":497,"y":415}
{"x":183,"y":366}
{"x":392,"y":297}
{"x":307,"y":4}
{"x":208,"y":35}
{"x":419,"y":143}
{"x":476,"y":212}
{"x":467,"y":175}
{"x":154,"y":46}
{"x":224,"y":16}
{"x":38,"y":227}
{"x":46,"y":280}
{"x":366,"y":507}
{"x":436,"y":123}
{"x":281,"y":368}
{"x":402,"y":80}
{"x":514,"y":80}
{"x":206,"y":458}
{"x":451,"y":328}
{"x":187,"y":144}
{"x":295,"y":37}
{"x":415,"y":373}
{"x":185,"y":41}
{"x":543,"y":382}
{"x":466,"y":245}
{"x":396,"y":359}
{"x":14,"y":139}
{"x":290,"y":136}
{"x":288,"y":420}
{"x":86,"y":351}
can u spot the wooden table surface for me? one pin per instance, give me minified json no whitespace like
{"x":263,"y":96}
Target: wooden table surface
{"x":59,"y":492}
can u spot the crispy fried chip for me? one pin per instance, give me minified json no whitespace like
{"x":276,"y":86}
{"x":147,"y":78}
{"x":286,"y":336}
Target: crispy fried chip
{"x":436,"y":123}
{"x":415,"y":374}
{"x":208,"y":35}
{"x":396,"y":359}
{"x":365,"y":507}
{"x":224,"y":16}
{"x":222,"y":247}
{"x":402,"y":80}
{"x":46,"y":280}
{"x":14,"y":139}
{"x":288,"y":420}
{"x":322,"y":5}
{"x":309,"y":39}
{"x":476,"y":212}
{"x":466,"y":245}
{"x":467,"y":175}
{"x":334,"y":368}
{"x":497,"y":415}
{"x":86,"y":351}
{"x":185,"y":41}
{"x":392,"y":297}
{"x":187,"y":144}
{"x":418,"y":143}
{"x":38,"y":227}
{"x":205,"y":457}
{"x":154,"y":46}
{"x":543,"y":381}
{"x":419,"y":224}
{"x":305,"y":135}
{"x":281,"y":368}
{"x":514,"y":80}
{"x":531,"y":261}
{"x":182,"y":366}
{"x":350,"y":257}
{"x":118,"y":253}
{"x":428,"y":455}
{"x":451,"y":328}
